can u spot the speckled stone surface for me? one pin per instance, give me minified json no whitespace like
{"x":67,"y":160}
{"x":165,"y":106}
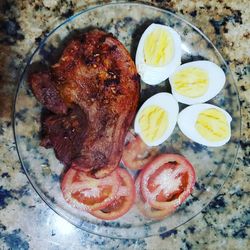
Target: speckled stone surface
{"x":26,"y":222}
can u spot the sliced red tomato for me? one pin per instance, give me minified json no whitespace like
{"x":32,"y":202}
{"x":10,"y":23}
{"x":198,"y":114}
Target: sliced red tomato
{"x":87,"y":193}
{"x":167,"y":181}
{"x":136,"y":154}
{"x":145,"y":208}
{"x":124,"y":199}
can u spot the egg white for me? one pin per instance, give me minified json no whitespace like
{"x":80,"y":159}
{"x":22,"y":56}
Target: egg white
{"x":154,"y":75}
{"x":167,"y":102}
{"x":187,"y":119}
{"x":216,"y":82}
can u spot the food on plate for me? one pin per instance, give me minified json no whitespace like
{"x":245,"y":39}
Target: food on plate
{"x":91,"y":95}
{"x":197,"y":82}
{"x":145,"y":208}
{"x":158,"y":53}
{"x":106,"y":198}
{"x":87,"y":193}
{"x":64,"y":132}
{"x":160,"y":188}
{"x":94,"y":90}
{"x":156,"y":119}
{"x":167,"y":181}
{"x":206,"y":124}
{"x":124,"y":198}
{"x":136,"y":154}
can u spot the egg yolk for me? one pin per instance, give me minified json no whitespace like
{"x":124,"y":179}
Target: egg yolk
{"x":191,"y":82}
{"x":212,"y":125}
{"x":153,"y":122}
{"x":158,"y":48}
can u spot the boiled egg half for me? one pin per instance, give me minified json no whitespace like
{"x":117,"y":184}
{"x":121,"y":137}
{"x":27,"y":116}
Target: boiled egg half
{"x":205,"y":124}
{"x":156,"y":119}
{"x":197,"y":82}
{"x":158,"y":53}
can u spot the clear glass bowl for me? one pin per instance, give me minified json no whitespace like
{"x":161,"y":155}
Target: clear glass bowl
{"x":126,"y":21}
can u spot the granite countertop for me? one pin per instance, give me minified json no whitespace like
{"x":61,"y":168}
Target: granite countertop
{"x":26,"y":222}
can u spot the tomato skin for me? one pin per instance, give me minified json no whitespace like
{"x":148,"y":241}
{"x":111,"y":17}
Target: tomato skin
{"x":125,"y":199}
{"x":145,"y":208}
{"x":87,"y":193}
{"x":184,"y":175}
{"x":136,"y":154}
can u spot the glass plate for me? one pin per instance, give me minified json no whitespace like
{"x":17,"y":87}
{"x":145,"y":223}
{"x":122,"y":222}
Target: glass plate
{"x":126,"y":21}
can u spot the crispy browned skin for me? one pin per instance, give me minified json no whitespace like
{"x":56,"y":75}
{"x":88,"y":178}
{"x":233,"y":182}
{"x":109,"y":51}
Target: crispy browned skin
{"x":96,"y":73}
{"x":65,"y":133}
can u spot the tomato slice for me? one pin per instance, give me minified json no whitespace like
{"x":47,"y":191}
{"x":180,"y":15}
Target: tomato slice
{"x":136,"y":154}
{"x":145,"y":208}
{"x":124,"y":199}
{"x":167,"y":181}
{"x":87,"y":193}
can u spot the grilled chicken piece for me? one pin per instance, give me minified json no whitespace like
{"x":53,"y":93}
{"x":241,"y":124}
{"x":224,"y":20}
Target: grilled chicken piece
{"x":64,"y":133}
{"x":96,"y":74}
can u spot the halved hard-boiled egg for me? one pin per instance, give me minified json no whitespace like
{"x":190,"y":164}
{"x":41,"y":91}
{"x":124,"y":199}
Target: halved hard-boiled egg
{"x":206,"y":124}
{"x":156,"y":119}
{"x":158,"y":53}
{"x":197,"y":82}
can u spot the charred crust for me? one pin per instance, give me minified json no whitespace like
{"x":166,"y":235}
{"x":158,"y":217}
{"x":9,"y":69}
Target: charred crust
{"x":88,"y":60}
{"x":102,"y":39}
{"x":108,"y":82}
{"x":113,"y":48}
{"x":113,"y":77}
{"x":136,"y":78}
{"x":92,"y":60}
{"x":82,"y":39}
